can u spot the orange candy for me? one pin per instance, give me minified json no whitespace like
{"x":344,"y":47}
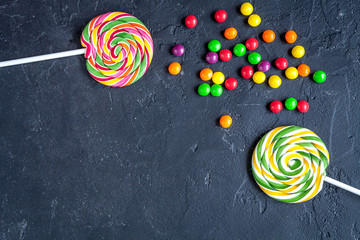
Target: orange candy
{"x":268,"y":36}
{"x":290,"y":36}
{"x":230,"y":33}
{"x":304,"y":70}
{"x":206,"y":74}
{"x":225,"y":121}
{"x":174,"y":68}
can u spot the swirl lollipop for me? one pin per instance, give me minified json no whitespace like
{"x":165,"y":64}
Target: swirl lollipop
{"x":289,"y":165}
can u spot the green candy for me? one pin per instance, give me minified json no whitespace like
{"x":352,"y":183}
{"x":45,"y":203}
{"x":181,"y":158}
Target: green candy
{"x":319,"y":76}
{"x":254,"y":58}
{"x":290,"y":103}
{"x":214,"y":46}
{"x":239,"y":50}
{"x":216,"y":90}
{"x":204,"y":89}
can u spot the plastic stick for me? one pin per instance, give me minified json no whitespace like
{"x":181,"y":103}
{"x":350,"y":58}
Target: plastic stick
{"x":342,"y":185}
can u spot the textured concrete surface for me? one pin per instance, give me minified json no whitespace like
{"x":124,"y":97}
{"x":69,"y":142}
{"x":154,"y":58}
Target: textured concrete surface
{"x":79,"y":160}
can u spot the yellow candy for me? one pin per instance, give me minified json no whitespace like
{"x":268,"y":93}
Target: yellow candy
{"x":246,"y":9}
{"x":259,"y":77}
{"x":254,"y":20}
{"x":298,"y":51}
{"x":291,"y":73}
{"x":218,"y":77}
{"x":274,"y":81}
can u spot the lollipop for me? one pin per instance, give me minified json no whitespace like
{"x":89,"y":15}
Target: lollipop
{"x":118,"y":48}
{"x":289,"y":164}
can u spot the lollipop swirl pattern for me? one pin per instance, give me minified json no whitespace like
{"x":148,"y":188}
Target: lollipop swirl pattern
{"x":119,"y":48}
{"x":289,"y":164}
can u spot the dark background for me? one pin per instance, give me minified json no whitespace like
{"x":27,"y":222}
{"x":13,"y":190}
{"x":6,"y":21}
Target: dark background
{"x":80,"y":160}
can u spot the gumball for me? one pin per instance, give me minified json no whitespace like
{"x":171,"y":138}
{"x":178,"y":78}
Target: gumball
{"x":303,"y":106}
{"x":246,"y":9}
{"x":216,"y":90}
{"x":231,"y":83}
{"x":254,"y":20}
{"x":220,"y":16}
{"x":274,"y":81}
{"x":174,"y":68}
{"x":254,"y":58}
{"x":251,"y":44}
{"x":225,"y":55}
{"x":304,"y":70}
{"x":225,"y":121}
{"x":214,"y":46}
{"x":298,"y":51}
{"x":212,"y":57}
{"x":291,"y":73}
{"x":230,"y":33}
{"x":178,"y":50}
{"x":264,"y":66}
{"x":204,"y":89}
{"x":319,"y":76}
{"x":239,"y":50}
{"x":276,"y":106}
{"x":218,"y":77}
{"x":290,"y":103}
{"x":281,"y":63}
{"x":268,"y":36}
{"x":206,"y":74}
{"x":247,"y":72}
{"x":190,"y":21}
{"x":290,"y":36}
{"x":259,"y":77}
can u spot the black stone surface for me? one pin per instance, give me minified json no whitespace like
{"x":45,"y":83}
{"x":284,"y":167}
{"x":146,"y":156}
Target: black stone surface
{"x":79,"y":160}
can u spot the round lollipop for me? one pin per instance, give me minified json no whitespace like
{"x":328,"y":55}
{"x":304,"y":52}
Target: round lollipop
{"x":289,"y":164}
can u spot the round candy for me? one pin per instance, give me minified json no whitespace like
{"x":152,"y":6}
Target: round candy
{"x":254,"y":58}
{"x":239,"y":50}
{"x":290,"y":103}
{"x":303,"y":106}
{"x":206,"y":74}
{"x":204,"y":89}
{"x":276,"y":106}
{"x":225,"y":55}
{"x":216,"y":90}
{"x":264,"y":66}
{"x":289,"y":164}
{"x":304,"y":70}
{"x":218,"y":77}
{"x":291,"y":73}
{"x":178,"y":50}
{"x":290,"y":36}
{"x":274,"y":81}
{"x":281,"y":63}
{"x":214,"y":46}
{"x":247,"y":72}
{"x":319,"y":76}
{"x":268,"y":36}
{"x":220,"y":16}
{"x":225,"y":121}
{"x":230,"y":33}
{"x":298,"y":51}
{"x":174,"y":68}
{"x":259,"y":77}
{"x":246,"y":9}
{"x":190,"y":21}
{"x":123,"y":56}
{"x":231,"y":83}
{"x":254,"y":20}
{"x":212,"y":57}
{"x":251,"y":44}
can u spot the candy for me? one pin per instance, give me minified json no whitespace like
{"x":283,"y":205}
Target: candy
{"x":214,"y":46}
{"x":212,"y":57}
{"x":220,"y":16}
{"x":276,"y":106}
{"x":216,"y":90}
{"x":204,"y":89}
{"x":239,"y":50}
{"x":290,"y":103}
{"x":225,"y":121}
{"x":246,"y":9}
{"x":218,"y":77}
{"x":289,"y":164}
{"x":259,"y":77}
{"x":319,"y":76}
{"x":206,"y":74}
{"x":178,"y":50}
{"x":190,"y":21}
{"x":119,"y":48}
{"x":303,"y":106}
{"x":291,"y":73}
{"x":225,"y":55}
{"x":304,"y":70}
{"x":268,"y":36}
{"x":231,"y":83}
{"x":290,"y":36}
{"x":254,"y":58}
{"x":174,"y":68}
{"x":281,"y":63}
{"x":254,"y":20}
{"x":247,"y":72}
{"x":264,"y":66}
{"x":298,"y":51}
{"x":251,"y":44}
{"x":274,"y":81}
{"x":230,"y":33}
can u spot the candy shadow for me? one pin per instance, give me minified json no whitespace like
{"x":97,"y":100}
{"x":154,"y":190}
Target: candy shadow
{"x":248,"y":163}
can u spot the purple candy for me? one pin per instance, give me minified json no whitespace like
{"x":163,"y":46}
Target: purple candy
{"x":263,"y":66}
{"x":212,"y":57}
{"x":178,"y":50}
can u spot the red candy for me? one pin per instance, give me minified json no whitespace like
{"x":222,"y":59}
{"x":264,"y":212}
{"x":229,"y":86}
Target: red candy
{"x":276,"y":106}
{"x":247,"y":72}
{"x":303,"y":106}
{"x":231,"y":83}
{"x":190,"y":21}
{"x":281,"y":63}
{"x":220,"y":16}
{"x":251,"y":44}
{"x":225,"y":55}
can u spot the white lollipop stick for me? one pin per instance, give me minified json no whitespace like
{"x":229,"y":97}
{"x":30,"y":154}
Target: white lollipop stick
{"x":42,"y":57}
{"x":342,"y":185}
